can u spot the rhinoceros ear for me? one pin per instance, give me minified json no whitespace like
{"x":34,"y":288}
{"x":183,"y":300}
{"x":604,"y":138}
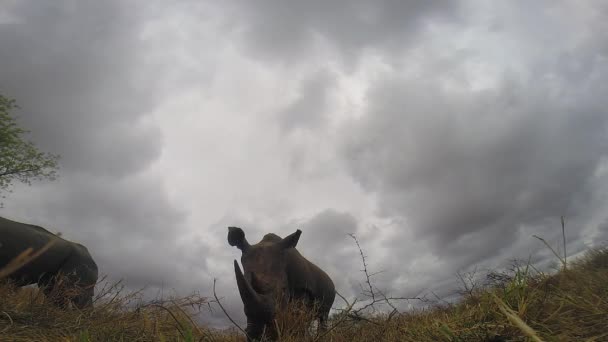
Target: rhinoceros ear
{"x":236,"y":237}
{"x":292,"y":240}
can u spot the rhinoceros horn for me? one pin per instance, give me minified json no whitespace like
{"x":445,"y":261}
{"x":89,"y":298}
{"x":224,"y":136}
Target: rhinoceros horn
{"x":248,"y":295}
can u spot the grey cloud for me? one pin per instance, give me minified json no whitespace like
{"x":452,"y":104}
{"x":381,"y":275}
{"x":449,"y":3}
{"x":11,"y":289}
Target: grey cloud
{"x":305,"y":125}
{"x":124,"y":208}
{"x":73,"y":69}
{"x":309,"y":110}
{"x":325,"y":239}
{"x":288,"y":29}
{"x":332,"y":226}
{"x":602,"y":237}
{"x":470,"y":168}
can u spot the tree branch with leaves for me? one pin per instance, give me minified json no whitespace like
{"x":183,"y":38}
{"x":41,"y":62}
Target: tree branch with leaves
{"x":20,"y":159}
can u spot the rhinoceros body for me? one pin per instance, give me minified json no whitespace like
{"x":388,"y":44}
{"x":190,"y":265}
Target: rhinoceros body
{"x":66,"y":258}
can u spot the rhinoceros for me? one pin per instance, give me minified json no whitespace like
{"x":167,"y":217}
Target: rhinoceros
{"x":275,"y":270}
{"x":65,"y":262}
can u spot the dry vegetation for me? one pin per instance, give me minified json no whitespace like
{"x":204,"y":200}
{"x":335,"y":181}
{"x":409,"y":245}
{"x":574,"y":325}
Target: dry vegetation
{"x":26,"y":315}
{"x":525,"y":305}
{"x":521,"y":305}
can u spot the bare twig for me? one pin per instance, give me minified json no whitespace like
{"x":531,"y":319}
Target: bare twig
{"x":439,"y":299}
{"x":564,"y":239}
{"x":180,"y":327}
{"x":393,"y":313}
{"x":340,"y":321}
{"x":224,"y":310}
{"x":468,"y":281}
{"x":190,"y":300}
{"x":188,"y":316}
{"x":375,"y":295}
{"x":343,"y":298}
{"x":364,"y":270}
{"x":355,"y":315}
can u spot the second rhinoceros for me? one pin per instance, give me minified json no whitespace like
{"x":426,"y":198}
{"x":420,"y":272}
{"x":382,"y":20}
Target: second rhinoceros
{"x":65,"y":263}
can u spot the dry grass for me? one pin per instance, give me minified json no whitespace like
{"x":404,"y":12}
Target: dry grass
{"x":26,"y":315}
{"x":524,"y":305}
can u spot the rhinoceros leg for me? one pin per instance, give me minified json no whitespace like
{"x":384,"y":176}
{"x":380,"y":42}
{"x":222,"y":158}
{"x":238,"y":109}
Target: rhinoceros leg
{"x":257,"y":331}
{"x":82,"y":271}
{"x":48,"y":284}
{"x":323,"y":321}
{"x":74,"y":280}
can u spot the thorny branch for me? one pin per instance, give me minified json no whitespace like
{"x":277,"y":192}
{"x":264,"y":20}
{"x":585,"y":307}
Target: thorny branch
{"x":469,"y":282}
{"x":370,"y":293}
{"x":375,"y":295}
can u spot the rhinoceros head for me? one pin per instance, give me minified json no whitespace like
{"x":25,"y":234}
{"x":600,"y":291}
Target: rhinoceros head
{"x":265,"y":276}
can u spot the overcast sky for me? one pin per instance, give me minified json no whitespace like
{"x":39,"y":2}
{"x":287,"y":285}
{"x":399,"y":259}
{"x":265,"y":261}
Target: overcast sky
{"x":444,"y":134}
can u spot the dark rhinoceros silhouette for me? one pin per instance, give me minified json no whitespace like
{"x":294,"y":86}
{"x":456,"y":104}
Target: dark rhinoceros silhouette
{"x":66,"y":265}
{"x":275,"y":270}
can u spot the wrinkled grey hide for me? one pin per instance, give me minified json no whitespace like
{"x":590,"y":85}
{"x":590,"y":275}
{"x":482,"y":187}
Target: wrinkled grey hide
{"x":274,"y":269}
{"x":66,"y":258}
